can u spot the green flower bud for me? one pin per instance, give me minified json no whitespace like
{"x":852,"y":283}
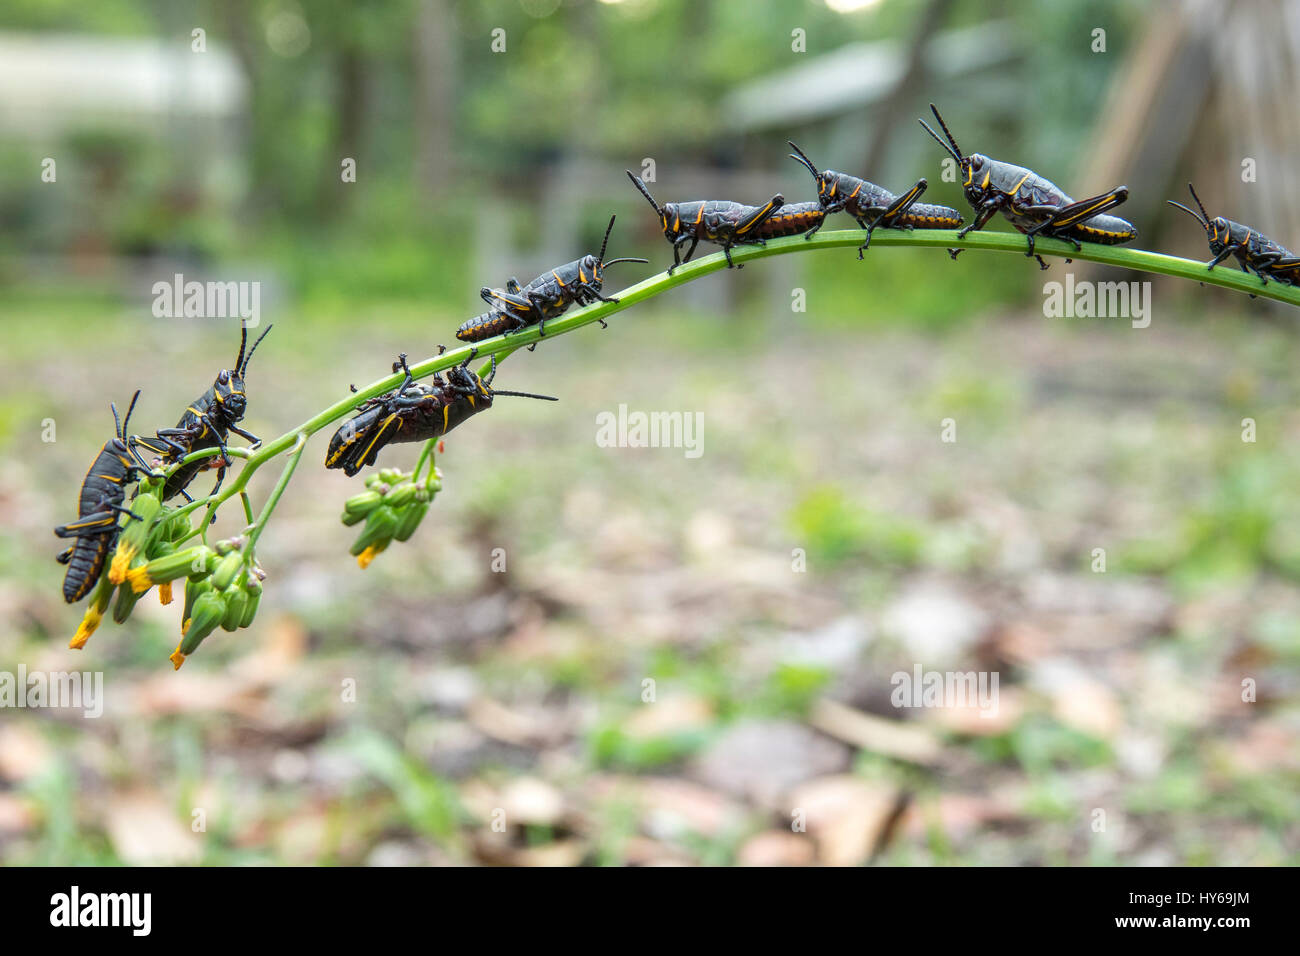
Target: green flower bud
{"x":226,"y":545}
{"x":410,"y":519}
{"x":203,"y":563}
{"x":125,"y":604}
{"x":169,"y":567}
{"x":362,"y":504}
{"x":193,"y":590}
{"x":178,"y":526}
{"x":226,"y":570}
{"x":400,"y":496}
{"x":254,"y":589}
{"x":208,"y":612}
{"x":379,"y":527}
{"x":159,"y":547}
{"x":236,"y":604}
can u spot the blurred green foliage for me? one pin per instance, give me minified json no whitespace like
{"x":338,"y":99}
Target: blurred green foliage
{"x":328,"y":78}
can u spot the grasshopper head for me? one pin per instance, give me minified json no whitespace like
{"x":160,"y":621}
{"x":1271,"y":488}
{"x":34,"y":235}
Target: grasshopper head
{"x":228,"y":390}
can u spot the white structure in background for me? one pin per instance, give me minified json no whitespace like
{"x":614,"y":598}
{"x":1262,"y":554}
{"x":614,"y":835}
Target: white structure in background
{"x":50,"y":81}
{"x":185,"y":108}
{"x":55,"y":84}
{"x":857,"y":75}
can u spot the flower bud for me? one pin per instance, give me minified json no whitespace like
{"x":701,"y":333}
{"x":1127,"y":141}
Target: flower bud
{"x":400,"y":496}
{"x":125,"y":604}
{"x":362,"y":504}
{"x":193,"y":590}
{"x":379,"y":527}
{"x":236,"y":604}
{"x":178,"y":527}
{"x":99,"y":599}
{"x":203,"y":563}
{"x":89,"y":622}
{"x":226,"y":545}
{"x":371,"y":552}
{"x":209,"y":609}
{"x":410,"y":519}
{"x":169,"y":567}
{"x":227,"y":568}
{"x":134,"y":536}
{"x":254,"y":589}
{"x":159,"y":546}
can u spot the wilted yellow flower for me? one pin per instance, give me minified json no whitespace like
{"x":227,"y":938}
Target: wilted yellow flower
{"x":87,"y":627}
{"x":122,"y":559}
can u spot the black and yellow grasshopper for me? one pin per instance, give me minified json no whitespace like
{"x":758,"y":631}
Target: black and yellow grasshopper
{"x":205,"y":424}
{"x":792,"y":219}
{"x":98,"y":506}
{"x":549,"y":295}
{"x":414,"y":412}
{"x":1254,"y":251}
{"x":1034,"y":205}
{"x":724,"y":223}
{"x":874,"y":206}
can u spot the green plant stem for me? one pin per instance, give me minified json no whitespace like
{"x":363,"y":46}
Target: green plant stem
{"x":425,"y":455}
{"x":501,"y":346}
{"x":259,"y":525}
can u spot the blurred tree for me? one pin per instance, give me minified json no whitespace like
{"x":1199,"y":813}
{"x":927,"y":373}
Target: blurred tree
{"x":435,"y":81}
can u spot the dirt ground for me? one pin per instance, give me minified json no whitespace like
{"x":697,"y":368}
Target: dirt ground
{"x":690,"y":659}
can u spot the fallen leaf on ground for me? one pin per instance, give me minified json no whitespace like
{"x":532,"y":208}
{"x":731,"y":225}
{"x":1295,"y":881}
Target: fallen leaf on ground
{"x":777,"y":848}
{"x":892,"y":738}
{"x":847,"y":816}
{"x":671,"y":715}
{"x":144,"y":831}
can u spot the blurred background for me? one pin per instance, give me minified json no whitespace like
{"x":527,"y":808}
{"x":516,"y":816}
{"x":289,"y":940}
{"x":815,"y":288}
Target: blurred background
{"x":392,"y":715}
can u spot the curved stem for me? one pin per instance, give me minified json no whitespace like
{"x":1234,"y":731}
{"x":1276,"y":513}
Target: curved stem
{"x":425,"y":454}
{"x":259,"y":525}
{"x":503,"y":345}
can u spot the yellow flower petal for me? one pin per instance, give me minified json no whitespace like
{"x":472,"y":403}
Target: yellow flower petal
{"x":86,"y":628}
{"x":121,"y":561}
{"x":366,"y":556}
{"x":165,"y":593}
{"x":139,"y":579}
{"x":177,"y":658}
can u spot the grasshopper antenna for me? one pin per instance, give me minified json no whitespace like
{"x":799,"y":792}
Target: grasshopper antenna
{"x":244,"y":369}
{"x":950,"y":146}
{"x":636,"y":181}
{"x":803,"y":158}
